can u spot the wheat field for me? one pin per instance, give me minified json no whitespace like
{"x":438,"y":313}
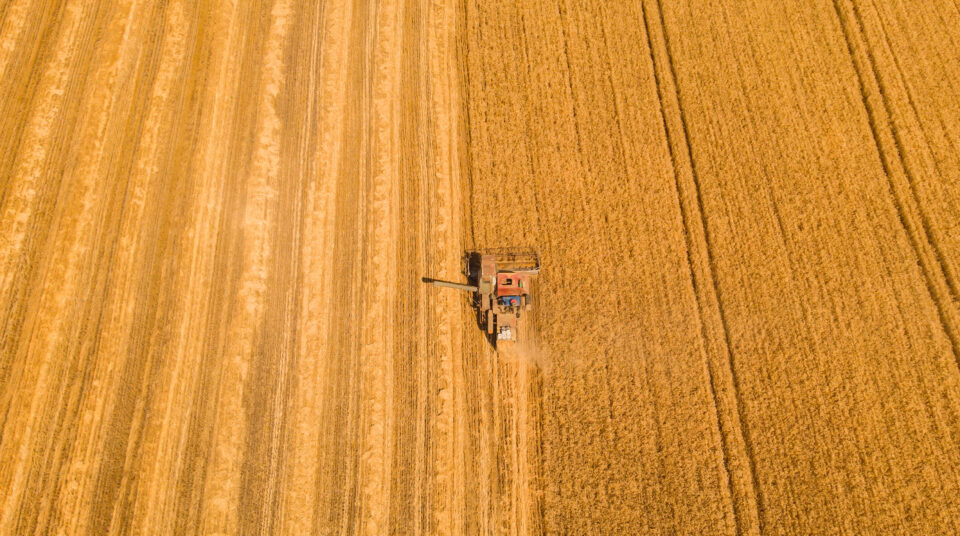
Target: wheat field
{"x":214,"y":219}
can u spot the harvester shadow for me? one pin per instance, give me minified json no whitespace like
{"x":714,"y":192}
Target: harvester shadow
{"x":471,"y":267}
{"x":482,"y":325}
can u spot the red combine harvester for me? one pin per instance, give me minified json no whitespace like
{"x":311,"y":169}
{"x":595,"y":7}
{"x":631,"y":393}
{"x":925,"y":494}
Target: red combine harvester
{"x":502,"y":284}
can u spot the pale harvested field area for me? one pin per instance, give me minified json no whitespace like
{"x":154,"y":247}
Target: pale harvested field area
{"x":214,"y":217}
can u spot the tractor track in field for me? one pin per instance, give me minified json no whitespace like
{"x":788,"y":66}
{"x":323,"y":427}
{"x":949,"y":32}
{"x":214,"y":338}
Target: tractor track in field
{"x":747,"y":502}
{"x":890,"y":148}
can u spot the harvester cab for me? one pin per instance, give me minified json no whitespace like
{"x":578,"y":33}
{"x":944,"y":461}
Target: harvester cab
{"x":502,"y":282}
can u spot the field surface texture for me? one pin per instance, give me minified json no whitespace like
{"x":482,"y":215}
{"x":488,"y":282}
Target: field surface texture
{"x":214,"y":218}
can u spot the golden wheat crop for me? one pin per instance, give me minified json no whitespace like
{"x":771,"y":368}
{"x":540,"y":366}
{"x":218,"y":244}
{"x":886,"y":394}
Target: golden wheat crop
{"x":750,"y":302}
{"x":214,"y":218}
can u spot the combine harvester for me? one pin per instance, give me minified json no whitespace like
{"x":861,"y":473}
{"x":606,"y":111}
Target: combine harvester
{"x":501,"y":281}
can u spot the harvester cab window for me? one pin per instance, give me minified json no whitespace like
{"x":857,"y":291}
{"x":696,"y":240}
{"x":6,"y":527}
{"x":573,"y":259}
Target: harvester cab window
{"x":508,"y":282}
